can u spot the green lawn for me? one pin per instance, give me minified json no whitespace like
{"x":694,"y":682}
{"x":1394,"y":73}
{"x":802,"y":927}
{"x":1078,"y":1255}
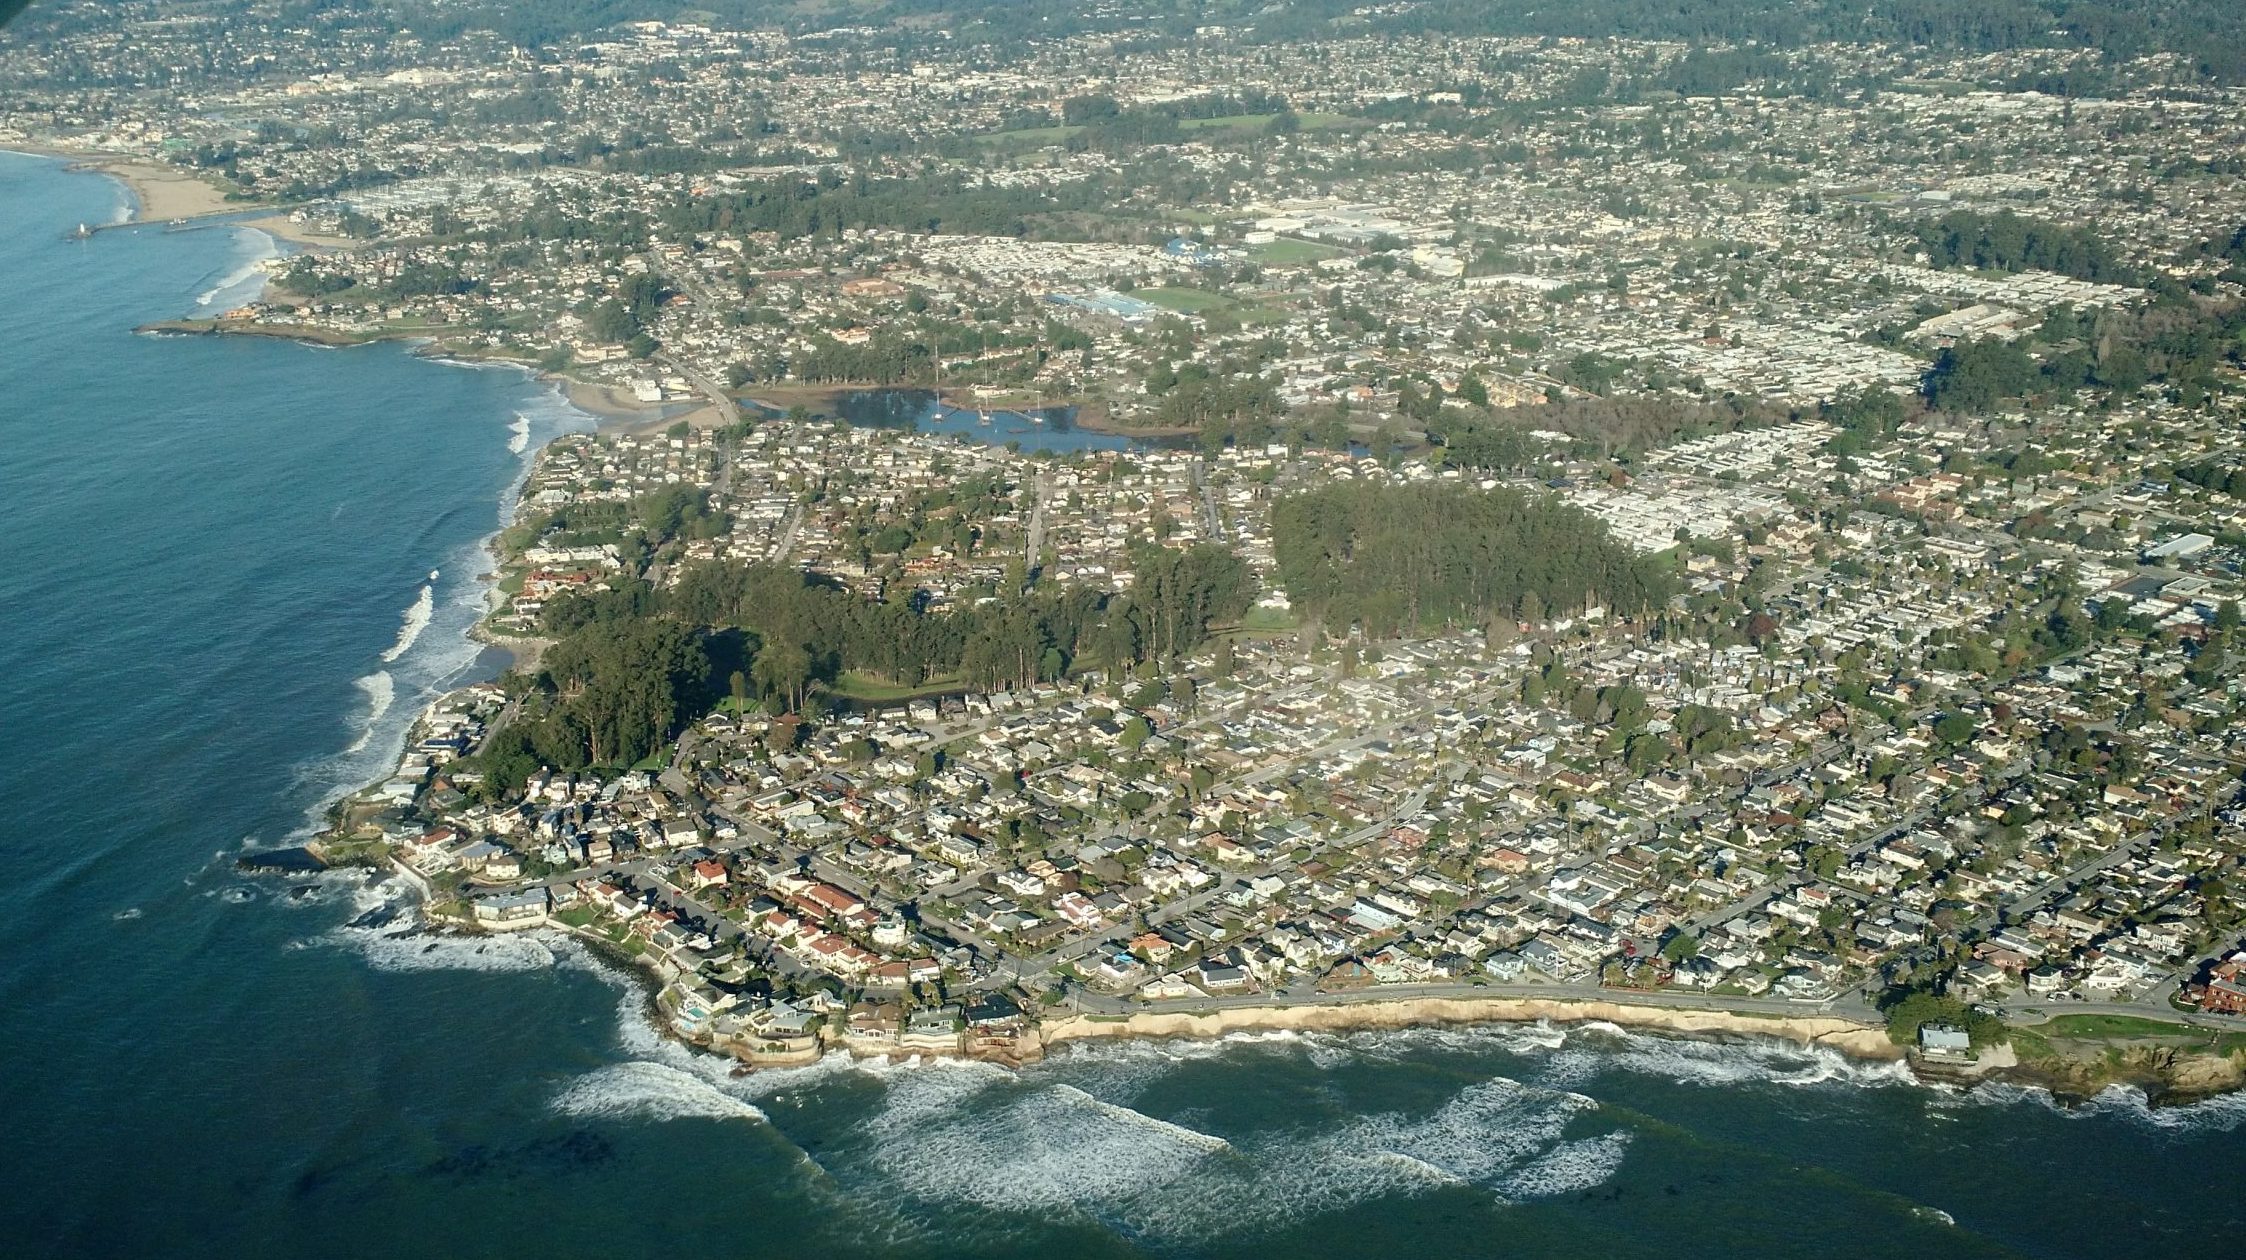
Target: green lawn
{"x":2114,"y":1026}
{"x":1227,"y":122}
{"x":1029,"y":137}
{"x":856,"y":686}
{"x":1257,"y":122}
{"x":1287,"y":252}
{"x":1188,"y":301}
{"x":1268,"y":621}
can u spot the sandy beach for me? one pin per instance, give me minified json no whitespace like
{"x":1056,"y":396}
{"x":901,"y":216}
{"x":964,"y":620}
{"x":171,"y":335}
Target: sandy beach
{"x":619,"y":412}
{"x":164,"y":193}
{"x":291,"y":230}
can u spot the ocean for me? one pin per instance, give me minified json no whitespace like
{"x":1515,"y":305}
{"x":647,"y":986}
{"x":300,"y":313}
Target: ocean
{"x":221,"y":611}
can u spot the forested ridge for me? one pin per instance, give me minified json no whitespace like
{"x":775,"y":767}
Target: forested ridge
{"x":1394,"y":559}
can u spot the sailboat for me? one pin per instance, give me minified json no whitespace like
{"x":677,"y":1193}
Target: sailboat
{"x":982,"y":416}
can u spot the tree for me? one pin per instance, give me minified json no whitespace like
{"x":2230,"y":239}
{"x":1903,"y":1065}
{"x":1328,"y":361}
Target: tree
{"x":783,"y":670}
{"x":1975,"y":376}
{"x":1395,"y":559}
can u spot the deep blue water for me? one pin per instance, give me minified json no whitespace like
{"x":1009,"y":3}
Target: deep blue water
{"x":214,"y":545}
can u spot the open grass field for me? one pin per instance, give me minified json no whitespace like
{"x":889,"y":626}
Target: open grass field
{"x":855,"y":686}
{"x":1030,"y":137}
{"x":1287,"y":252}
{"x":1185,"y":301}
{"x":2086,"y":1026}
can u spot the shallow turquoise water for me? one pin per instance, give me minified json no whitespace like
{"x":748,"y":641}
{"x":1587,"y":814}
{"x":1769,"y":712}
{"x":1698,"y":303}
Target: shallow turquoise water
{"x":216,"y":544}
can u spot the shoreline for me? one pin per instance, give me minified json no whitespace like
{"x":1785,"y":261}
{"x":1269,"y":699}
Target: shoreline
{"x":2171,"y":1079}
{"x":163,"y":194}
{"x":2164,"y":1081}
{"x":1860,"y":1041}
{"x":614,"y":410}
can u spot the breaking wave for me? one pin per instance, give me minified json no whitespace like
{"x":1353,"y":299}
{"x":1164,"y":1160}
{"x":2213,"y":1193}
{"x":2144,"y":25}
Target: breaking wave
{"x":650,"y":1091}
{"x":1589,"y":1050}
{"x":381,"y":691}
{"x":415,"y":621}
{"x":433,"y":651}
{"x":2222,"y":1113}
{"x":388,"y":932}
{"x":247,"y":278}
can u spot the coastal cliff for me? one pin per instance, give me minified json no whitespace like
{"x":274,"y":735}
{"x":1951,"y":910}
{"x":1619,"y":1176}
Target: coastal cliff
{"x":1857,"y":1040}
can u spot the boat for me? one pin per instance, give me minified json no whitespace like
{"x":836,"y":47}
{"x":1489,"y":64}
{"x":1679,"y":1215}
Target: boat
{"x":982,"y":416}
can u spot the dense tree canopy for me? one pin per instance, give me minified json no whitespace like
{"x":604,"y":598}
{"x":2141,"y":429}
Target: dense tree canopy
{"x":633,"y":664}
{"x":1401,"y":558}
{"x":2006,"y":242}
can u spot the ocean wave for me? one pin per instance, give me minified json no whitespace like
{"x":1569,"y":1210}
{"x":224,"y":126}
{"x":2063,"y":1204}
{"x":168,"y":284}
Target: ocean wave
{"x":1593,"y":1049}
{"x":518,"y":434}
{"x":432,"y":657}
{"x":1487,"y":1135}
{"x":415,"y":621}
{"x":1061,"y":1138}
{"x":387,"y":930}
{"x":641,"y":1090}
{"x":427,"y":951}
{"x":950,"y":1137}
{"x":1569,"y":1168}
{"x":2222,"y":1113}
{"x":232,"y":289}
{"x":381,"y":691}
{"x":998,"y":1141}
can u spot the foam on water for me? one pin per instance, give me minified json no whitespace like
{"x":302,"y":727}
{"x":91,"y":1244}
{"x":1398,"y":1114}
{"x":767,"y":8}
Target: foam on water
{"x":649,"y":1091}
{"x":433,"y":651}
{"x":1569,"y":1168}
{"x":982,"y":1138}
{"x":1487,"y":1135}
{"x":2222,"y":1113}
{"x":415,"y":620}
{"x":1592,"y":1049}
{"x":388,"y":932}
{"x":245,"y":278}
{"x":381,"y":691}
{"x":976,"y":1136}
